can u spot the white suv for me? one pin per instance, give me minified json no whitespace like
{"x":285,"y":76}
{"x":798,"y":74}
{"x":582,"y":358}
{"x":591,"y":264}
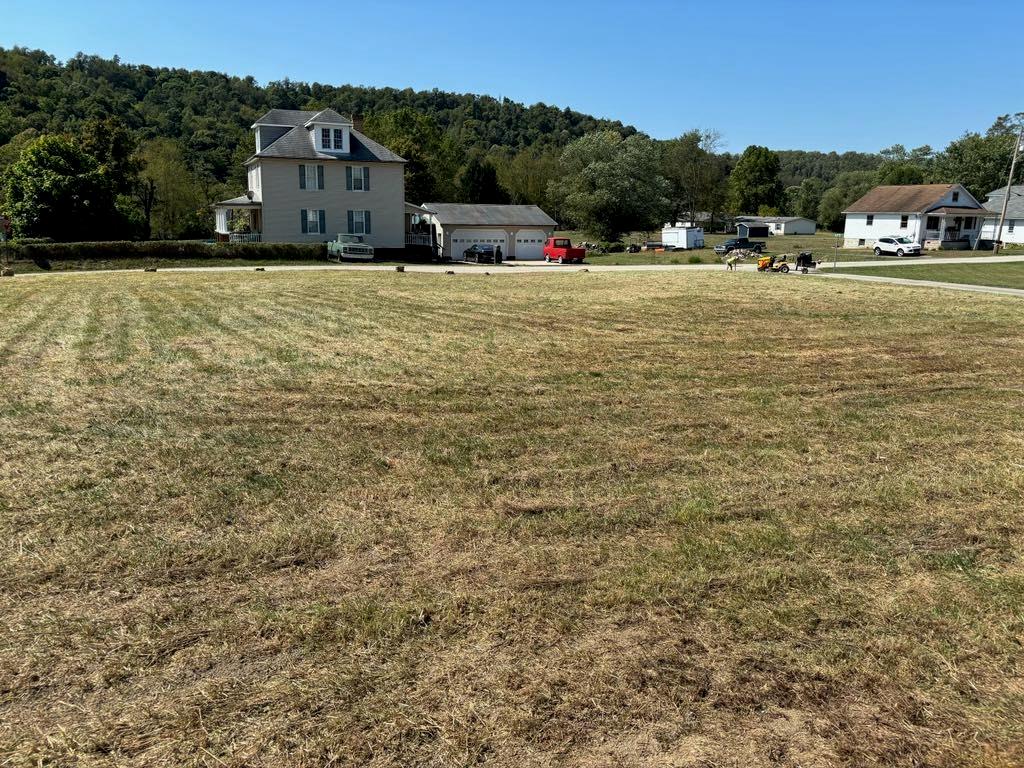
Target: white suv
{"x":901,"y":246}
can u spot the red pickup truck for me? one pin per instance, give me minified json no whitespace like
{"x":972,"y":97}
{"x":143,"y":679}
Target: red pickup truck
{"x":560,"y":249}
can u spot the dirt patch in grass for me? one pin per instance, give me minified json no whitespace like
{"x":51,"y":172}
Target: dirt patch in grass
{"x":379,"y":519}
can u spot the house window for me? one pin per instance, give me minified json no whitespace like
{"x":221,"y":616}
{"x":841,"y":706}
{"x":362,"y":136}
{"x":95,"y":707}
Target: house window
{"x":903,"y":221}
{"x":359,"y":222}
{"x":325,"y":138}
{"x":311,"y":177}
{"x":956,"y":197}
{"x":932,"y":223}
{"x":357,"y":178}
{"x":871,"y":219}
{"x":969,"y":222}
{"x":313,"y":221}
{"x":860,"y":241}
{"x":339,"y":138}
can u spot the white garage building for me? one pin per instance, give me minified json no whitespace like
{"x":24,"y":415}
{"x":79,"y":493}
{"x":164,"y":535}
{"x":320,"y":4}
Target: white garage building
{"x":520,"y":230}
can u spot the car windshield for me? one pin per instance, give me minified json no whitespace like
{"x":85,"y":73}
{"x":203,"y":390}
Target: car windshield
{"x":904,"y":240}
{"x":350,"y":238}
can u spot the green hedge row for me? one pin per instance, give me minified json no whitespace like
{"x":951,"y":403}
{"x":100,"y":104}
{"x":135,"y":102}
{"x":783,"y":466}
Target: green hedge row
{"x":161,"y":249}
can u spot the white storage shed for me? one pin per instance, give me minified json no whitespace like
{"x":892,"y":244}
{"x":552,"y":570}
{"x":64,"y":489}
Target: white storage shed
{"x":682,"y":238}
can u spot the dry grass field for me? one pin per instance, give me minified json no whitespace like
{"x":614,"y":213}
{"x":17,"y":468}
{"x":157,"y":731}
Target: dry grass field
{"x":338,"y":519}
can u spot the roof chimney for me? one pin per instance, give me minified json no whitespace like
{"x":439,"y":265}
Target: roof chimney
{"x":357,"y":123}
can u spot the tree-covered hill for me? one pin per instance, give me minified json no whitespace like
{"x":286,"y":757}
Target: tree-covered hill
{"x":211,"y":112}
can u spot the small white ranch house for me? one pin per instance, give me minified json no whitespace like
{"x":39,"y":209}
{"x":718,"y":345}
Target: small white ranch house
{"x":938,"y":216}
{"x":1013,"y":227}
{"x":781,"y":225}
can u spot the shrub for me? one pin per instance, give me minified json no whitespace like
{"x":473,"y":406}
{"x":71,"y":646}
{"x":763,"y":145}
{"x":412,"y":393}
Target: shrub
{"x":161,"y":249}
{"x":616,"y":247}
{"x":694,"y":258}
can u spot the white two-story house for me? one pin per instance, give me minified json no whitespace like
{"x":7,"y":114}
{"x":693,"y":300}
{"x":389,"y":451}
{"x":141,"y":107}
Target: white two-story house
{"x":937,"y":216}
{"x":314,"y":176}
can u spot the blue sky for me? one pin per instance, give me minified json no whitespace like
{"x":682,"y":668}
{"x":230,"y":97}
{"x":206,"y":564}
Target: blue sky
{"x":789,"y":75}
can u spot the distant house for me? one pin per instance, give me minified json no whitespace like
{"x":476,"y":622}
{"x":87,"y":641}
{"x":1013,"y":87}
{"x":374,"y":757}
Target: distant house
{"x":520,"y":230}
{"x":938,"y":216}
{"x":779,"y":225}
{"x":1013,"y":226}
{"x":314,"y":176}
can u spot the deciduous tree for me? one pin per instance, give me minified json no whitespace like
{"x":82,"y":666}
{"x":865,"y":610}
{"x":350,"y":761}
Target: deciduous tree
{"x":755,"y":181}
{"x":693,"y":171}
{"x":168,"y":192}
{"x":56,"y":189}
{"x":848,"y":187}
{"x":610,"y":185}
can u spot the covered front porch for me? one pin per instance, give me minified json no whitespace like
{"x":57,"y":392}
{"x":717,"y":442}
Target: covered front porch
{"x":419,"y":232}
{"x":238,"y":220}
{"x":952,"y":229}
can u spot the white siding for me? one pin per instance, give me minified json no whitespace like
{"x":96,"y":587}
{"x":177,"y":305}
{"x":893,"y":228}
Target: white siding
{"x":800,"y":227}
{"x":988,"y":232}
{"x":884,"y":225}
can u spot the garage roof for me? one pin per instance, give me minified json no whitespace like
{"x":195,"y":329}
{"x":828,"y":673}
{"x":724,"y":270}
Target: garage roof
{"x":469,"y":215}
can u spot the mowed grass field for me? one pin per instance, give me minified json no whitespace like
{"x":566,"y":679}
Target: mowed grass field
{"x":704,"y":519}
{"x":1005,"y":275}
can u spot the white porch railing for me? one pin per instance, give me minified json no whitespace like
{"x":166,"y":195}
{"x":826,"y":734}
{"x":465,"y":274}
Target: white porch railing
{"x":413,"y":238}
{"x":245,"y":237}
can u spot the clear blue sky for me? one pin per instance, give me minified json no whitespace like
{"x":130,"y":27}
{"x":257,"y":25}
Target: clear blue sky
{"x":789,"y":75}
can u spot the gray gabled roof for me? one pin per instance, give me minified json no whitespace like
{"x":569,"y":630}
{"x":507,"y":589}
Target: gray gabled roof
{"x":1014,"y":209}
{"x":285,"y":117}
{"x":297,"y":144}
{"x":328,"y":116}
{"x":474,"y":215}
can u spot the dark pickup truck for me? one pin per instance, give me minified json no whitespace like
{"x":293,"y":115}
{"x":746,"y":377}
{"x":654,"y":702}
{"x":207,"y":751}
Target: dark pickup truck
{"x":739,"y":244}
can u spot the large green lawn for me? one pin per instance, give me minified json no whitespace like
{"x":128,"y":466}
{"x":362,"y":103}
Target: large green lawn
{"x":1009,"y":275}
{"x":578,"y":519}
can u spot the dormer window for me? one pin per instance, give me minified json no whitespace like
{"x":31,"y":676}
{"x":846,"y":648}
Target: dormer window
{"x":339,"y":139}
{"x":325,"y":138}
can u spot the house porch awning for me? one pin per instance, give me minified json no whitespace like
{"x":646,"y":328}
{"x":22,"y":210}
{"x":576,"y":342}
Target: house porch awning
{"x":243,"y":201}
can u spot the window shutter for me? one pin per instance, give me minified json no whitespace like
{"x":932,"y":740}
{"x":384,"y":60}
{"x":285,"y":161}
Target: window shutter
{"x":323,"y":222}
{"x":351,"y":222}
{"x":319,"y":177}
{"x":366,"y":179}
{"x":302,"y":177}
{"x":366,"y":221}
{"x":348,"y":177}
{"x":305,"y":221}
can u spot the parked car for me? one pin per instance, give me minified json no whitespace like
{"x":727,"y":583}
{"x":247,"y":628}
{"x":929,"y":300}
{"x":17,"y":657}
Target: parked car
{"x":349,"y":247}
{"x":741,"y":244}
{"x":560,"y":249}
{"x":901,"y":246}
{"x":481,"y":253}
{"x":654,"y":245}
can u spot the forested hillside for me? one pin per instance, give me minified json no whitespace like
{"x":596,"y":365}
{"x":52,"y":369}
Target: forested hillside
{"x":211,"y":112}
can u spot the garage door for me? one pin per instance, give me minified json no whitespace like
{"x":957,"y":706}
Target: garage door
{"x":463,"y":238}
{"x":530,"y":244}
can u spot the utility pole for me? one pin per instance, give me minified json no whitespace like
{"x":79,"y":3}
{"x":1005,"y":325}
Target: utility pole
{"x":1009,"y":188}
